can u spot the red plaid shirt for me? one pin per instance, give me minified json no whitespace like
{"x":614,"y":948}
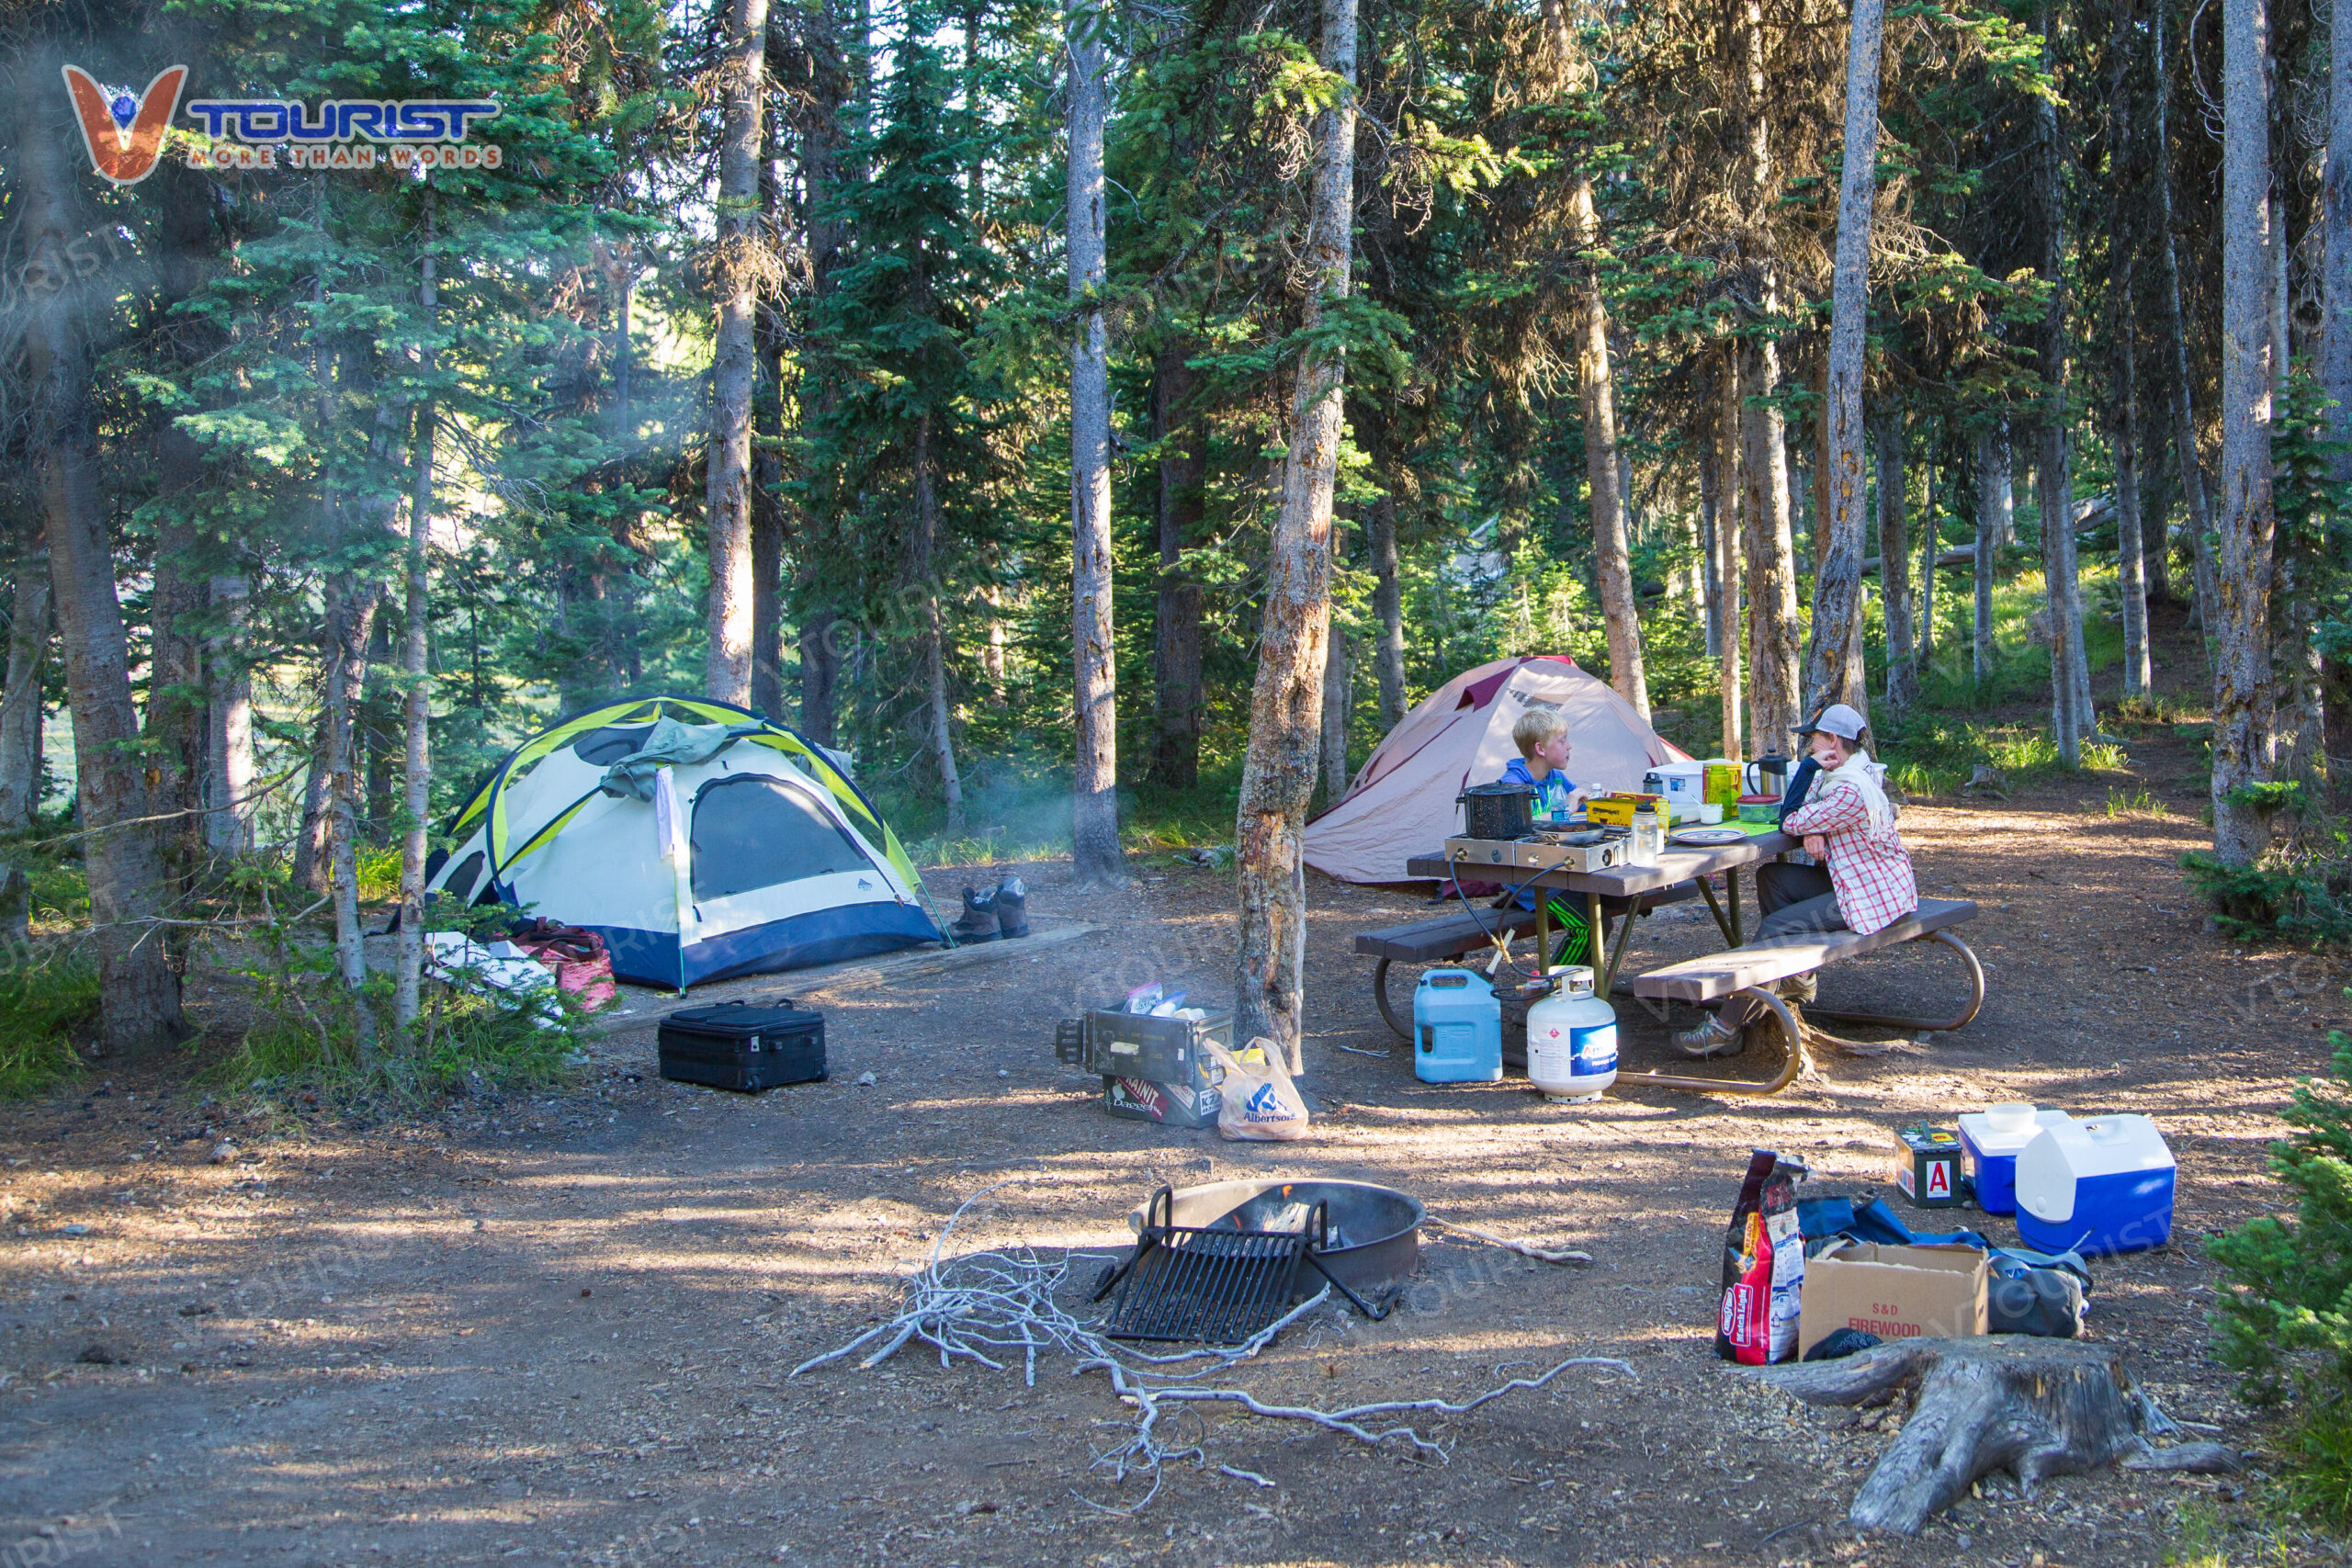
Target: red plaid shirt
{"x":1870,"y":869}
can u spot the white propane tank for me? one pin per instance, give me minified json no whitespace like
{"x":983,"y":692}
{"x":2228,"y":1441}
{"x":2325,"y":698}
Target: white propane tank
{"x":1571,"y":1038}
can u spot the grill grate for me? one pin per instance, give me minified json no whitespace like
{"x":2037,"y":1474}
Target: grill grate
{"x":1197,"y":1283}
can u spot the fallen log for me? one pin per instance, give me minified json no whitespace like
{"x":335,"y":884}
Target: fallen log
{"x":2035,"y":1407}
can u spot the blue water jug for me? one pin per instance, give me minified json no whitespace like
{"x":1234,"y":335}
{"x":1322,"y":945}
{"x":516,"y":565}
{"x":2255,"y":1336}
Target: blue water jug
{"x":1457,"y":1028}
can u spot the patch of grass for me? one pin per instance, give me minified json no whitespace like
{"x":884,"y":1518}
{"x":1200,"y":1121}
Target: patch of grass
{"x":1927,"y":753}
{"x":2203,"y":1537}
{"x":379,"y":874}
{"x":2150,"y":710}
{"x":319,"y":1036}
{"x":2133,"y":803}
{"x":2318,"y":1483}
{"x":47,"y":998}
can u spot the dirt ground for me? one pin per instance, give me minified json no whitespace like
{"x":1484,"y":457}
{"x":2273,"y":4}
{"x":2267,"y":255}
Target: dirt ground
{"x":558,"y":1329}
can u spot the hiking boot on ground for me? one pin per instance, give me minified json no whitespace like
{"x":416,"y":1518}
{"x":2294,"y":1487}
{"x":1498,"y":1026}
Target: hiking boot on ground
{"x":1710,"y":1039}
{"x":1012,"y":897}
{"x":978,"y":922}
{"x":1803,"y":989}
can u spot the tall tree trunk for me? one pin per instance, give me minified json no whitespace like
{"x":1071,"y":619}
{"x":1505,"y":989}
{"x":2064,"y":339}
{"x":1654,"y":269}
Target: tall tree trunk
{"x":2242,"y":677}
{"x":138,"y":994}
{"x":925,"y":576}
{"x":2336,"y":229}
{"x":2124,"y":434}
{"x":375,"y":738}
{"x":2282,"y":353}
{"x":175,"y":722}
{"x":351,"y":623}
{"x":1094,"y":777}
{"x":417,"y":690}
{"x":2129,"y":558}
{"x":1930,"y":545}
{"x":1831,"y":676}
{"x":743,"y":84}
{"x":2175,"y":364}
{"x":1729,"y":569}
{"x":1388,"y":604}
{"x":229,"y":707}
{"x":1774,"y":695}
{"x":823,"y":171}
{"x":769,"y":329}
{"x":21,"y":704}
{"x":2070,"y":716}
{"x":821,"y":664}
{"x":2298,"y":720}
{"x":312,"y":865}
{"x":768,"y":529}
{"x":1611,"y":567}
{"x":1894,"y":565}
{"x":1338,"y":704}
{"x":2155,"y":509}
{"x":1285,"y":705}
{"x":620,"y":629}
{"x":1176,"y":633}
{"x":1991,"y":495}
{"x":1710,"y":583}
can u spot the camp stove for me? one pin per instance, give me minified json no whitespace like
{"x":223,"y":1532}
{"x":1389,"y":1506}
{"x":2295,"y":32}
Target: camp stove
{"x":1595,"y":849}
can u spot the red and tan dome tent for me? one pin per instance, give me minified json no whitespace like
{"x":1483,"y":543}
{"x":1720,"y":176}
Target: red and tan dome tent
{"x":1402,"y":801}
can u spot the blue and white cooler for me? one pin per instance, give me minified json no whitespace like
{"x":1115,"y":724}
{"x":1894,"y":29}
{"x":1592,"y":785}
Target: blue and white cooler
{"x":2104,"y":1185}
{"x":1990,"y":1142}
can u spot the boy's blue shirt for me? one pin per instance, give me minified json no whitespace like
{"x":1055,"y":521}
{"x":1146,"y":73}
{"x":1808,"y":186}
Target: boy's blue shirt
{"x":1552,"y":793}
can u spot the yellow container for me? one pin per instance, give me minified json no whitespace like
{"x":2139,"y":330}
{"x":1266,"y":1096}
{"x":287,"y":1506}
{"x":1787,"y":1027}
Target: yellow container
{"x":1616,"y":809}
{"x":1720,"y":785}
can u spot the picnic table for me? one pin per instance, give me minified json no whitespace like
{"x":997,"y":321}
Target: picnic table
{"x":1679,"y":867}
{"x":1746,"y":969}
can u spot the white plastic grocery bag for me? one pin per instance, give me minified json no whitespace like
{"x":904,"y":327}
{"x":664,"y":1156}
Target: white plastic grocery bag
{"x":1260,"y":1103}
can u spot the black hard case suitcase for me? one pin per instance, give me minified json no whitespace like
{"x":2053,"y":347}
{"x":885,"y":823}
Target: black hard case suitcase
{"x":740,"y":1047}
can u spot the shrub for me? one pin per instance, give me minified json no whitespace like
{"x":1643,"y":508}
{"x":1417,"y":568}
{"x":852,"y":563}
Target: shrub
{"x":317,"y":1033}
{"x":2291,"y":1280}
{"x":2303,"y":899}
{"x":47,"y":997}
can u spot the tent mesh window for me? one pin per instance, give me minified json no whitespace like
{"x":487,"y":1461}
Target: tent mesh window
{"x":460,"y":886}
{"x":603,"y":748}
{"x":750,"y":833}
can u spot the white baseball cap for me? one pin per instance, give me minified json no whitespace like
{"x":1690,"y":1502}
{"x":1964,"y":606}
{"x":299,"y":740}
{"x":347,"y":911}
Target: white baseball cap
{"x":1836,"y":719}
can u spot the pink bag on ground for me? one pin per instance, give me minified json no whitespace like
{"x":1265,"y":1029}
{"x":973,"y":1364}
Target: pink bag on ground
{"x":578,"y":957}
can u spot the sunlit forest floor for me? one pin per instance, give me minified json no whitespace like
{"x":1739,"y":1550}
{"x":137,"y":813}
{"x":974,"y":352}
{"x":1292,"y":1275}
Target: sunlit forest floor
{"x":555,"y":1328}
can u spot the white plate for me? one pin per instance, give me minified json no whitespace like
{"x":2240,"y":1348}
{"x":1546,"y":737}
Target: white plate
{"x":1705,"y":838}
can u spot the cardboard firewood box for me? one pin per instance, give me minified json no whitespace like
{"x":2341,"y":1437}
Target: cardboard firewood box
{"x":1895,"y":1292}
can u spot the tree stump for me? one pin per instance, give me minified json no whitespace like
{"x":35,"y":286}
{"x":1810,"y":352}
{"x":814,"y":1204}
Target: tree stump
{"x":2036,"y":1408}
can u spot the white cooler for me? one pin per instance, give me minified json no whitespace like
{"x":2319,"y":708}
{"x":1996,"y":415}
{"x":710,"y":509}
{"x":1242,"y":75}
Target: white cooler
{"x":2099,"y":1186}
{"x":1683,"y":784}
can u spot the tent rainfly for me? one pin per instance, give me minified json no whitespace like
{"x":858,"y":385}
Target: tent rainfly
{"x":1402,"y":801}
{"x":699,"y":839}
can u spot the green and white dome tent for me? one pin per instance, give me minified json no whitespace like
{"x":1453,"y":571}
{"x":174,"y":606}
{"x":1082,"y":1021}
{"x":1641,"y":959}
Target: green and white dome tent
{"x":699,"y":839}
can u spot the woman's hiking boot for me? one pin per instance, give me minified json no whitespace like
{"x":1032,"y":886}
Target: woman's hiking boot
{"x":1710,"y":1039}
{"x":1012,"y":896}
{"x":979,"y":920}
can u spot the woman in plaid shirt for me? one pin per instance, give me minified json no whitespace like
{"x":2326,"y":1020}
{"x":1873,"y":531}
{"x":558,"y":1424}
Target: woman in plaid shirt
{"x":1863,"y":883}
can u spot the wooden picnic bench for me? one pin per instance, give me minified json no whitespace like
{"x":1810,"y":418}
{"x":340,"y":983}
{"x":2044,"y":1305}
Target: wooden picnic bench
{"x":1755,"y":967}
